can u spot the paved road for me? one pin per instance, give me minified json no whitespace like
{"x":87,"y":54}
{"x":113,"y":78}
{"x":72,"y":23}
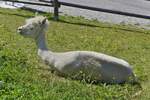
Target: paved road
{"x":135,"y":6}
{"x":132,"y":6}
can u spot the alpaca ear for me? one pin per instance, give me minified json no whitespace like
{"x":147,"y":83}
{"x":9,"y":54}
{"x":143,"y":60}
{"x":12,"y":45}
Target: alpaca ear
{"x":44,"y":20}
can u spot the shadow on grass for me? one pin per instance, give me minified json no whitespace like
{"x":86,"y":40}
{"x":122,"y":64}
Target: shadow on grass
{"x":78,"y":23}
{"x":107,"y":27}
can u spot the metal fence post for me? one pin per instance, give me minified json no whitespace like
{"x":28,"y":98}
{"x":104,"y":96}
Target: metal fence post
{"x":56,"y":9}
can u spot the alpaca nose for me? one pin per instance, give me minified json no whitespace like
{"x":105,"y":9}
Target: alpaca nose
{"x":20,"y":28}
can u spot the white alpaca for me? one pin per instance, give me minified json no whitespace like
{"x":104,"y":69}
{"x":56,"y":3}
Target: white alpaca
{"x":77,"y":64}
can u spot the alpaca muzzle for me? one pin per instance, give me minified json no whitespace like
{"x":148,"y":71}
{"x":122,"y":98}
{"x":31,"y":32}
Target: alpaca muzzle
{"x":19,"y":30}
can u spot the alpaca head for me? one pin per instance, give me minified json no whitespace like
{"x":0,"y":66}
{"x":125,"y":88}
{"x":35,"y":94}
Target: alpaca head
{"x":34,"y":27}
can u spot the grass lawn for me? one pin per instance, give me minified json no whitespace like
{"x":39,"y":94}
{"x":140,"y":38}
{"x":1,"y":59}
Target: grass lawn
{"x":26,"y":77}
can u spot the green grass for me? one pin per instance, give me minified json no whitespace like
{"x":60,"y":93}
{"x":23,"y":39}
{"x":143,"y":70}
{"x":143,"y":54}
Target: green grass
{"x":26,"y":77}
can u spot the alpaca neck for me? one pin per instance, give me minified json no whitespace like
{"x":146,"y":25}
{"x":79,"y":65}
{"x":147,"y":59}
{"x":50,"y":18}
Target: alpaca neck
{"x":41,"y":43}
{"x":43,"y":52}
